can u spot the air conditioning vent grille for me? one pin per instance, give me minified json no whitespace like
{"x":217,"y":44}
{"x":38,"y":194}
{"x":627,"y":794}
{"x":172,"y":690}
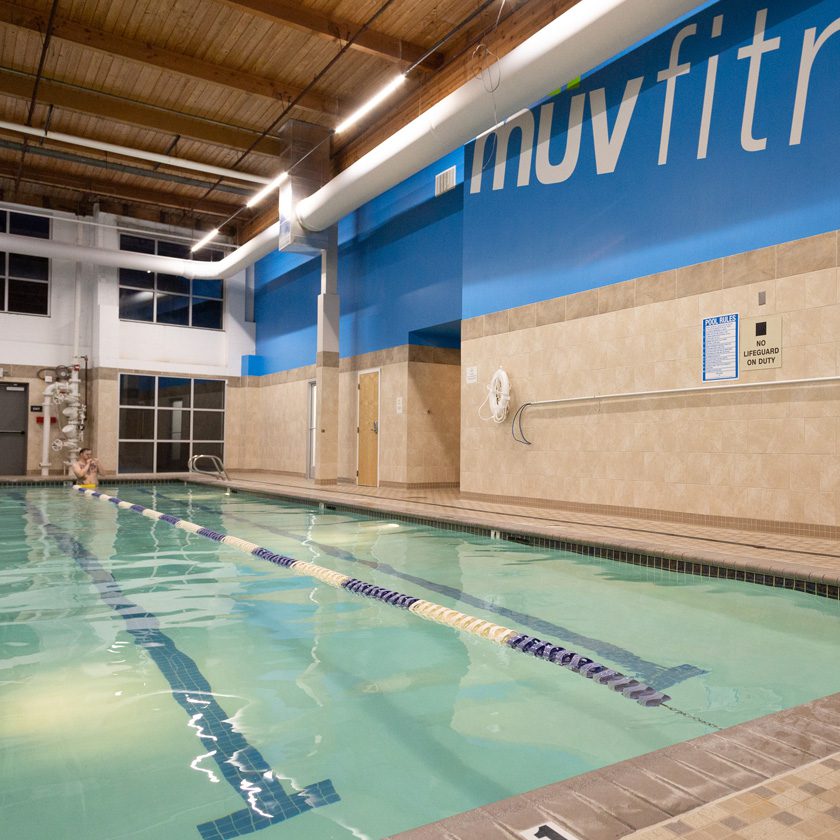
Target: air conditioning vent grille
{"x":445,"y":181}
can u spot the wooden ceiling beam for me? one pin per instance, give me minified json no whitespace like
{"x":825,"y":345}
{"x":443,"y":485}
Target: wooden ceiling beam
{"x":520,"y":21}
{"x":111,"y":107}
{"x":96,"y":39}
{"x":333,"y":29}
{"x":126,"y":192}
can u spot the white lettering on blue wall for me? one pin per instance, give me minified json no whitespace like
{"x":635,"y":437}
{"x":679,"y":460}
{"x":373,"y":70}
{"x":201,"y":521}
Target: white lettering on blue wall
{"x":709,"y":93}
{"x":608,"y":143}
{"x":720,"y":134}
{"x":754,"y":53}
{"x":811,"y":45}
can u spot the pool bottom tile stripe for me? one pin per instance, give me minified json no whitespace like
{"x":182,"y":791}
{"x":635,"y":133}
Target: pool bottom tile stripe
{"x":239,"y":762}
{"x":659,"y":676}
{"x":628,"y":687}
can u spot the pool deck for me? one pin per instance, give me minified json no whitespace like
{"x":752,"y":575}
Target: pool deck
{"x":778,"y":555}
{"x":773,"y":778}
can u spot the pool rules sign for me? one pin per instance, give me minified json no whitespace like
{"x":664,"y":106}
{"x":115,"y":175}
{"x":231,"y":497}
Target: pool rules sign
{"x":733,"y":345}
{"x":761,"y":343}
{"x":720,"y":347}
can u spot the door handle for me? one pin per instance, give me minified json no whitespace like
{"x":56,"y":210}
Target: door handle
{"x":375,"y":427}
{"x":12,"y":432}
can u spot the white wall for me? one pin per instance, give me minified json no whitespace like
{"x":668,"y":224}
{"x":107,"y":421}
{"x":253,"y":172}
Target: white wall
{"x":39,"y":340}
{"x":46,"y":341}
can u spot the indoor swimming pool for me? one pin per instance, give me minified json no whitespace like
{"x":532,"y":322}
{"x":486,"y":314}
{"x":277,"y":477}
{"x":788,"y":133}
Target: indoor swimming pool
{"x":156,"y":684}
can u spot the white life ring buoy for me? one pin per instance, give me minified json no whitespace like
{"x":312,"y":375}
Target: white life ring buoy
{"x":498,"y":396}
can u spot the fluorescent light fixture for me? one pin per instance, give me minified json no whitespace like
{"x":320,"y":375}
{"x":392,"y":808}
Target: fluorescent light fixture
{"x":268,"y":188}
{"x":371,"y":104}
{"x":204,"y":240}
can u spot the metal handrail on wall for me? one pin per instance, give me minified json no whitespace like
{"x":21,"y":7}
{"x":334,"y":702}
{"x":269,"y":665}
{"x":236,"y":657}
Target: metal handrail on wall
{"x":516,"y":422}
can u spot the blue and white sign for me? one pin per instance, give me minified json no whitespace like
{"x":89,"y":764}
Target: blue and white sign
{"x":720,"y":347}
{"x":717,"y":136}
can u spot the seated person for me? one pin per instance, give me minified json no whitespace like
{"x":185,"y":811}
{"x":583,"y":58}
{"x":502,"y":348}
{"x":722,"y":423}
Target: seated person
{"x":86,"y":469}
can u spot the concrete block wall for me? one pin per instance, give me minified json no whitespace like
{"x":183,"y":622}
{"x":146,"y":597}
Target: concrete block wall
{"x":751,"y":455}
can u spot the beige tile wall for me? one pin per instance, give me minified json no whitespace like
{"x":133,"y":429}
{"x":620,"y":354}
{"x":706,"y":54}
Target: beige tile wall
{"x":433,"y":406}
{"x":761,"y":454}
{"x":392,"y":427}
{"x":266,"y":422}
{"x":418,"y":446}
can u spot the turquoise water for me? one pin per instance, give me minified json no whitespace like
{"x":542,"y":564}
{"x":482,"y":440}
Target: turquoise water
{"x":408,"y":722}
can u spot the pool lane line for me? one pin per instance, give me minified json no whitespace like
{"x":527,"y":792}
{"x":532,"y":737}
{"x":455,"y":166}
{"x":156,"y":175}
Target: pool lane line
{"x":240,"y":763}
{"x":655,"y":675}
{"x":504,"y":636}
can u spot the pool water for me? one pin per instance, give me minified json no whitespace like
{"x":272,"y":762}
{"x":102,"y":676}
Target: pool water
{"x":155,"y":684}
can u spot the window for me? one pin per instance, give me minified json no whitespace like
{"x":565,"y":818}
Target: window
{"x":24,"y":280}
{"x":166,"y":419}
{"x":167,"y":298}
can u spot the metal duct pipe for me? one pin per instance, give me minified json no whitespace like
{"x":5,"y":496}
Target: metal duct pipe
{"x":263,"y":243}
{"x":127,"y":151}
{"x":586,"y":35}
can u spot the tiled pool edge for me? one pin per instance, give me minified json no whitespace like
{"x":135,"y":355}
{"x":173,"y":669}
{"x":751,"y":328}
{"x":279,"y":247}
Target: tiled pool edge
{"x":698,"y":563}
{"x":642,"y":792}
{"x":66,"y":481}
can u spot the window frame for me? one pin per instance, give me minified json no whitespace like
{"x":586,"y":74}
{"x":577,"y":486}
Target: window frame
{"x":156,"y":407}
{"x":8,"y":278}
{"x":157,"y":292}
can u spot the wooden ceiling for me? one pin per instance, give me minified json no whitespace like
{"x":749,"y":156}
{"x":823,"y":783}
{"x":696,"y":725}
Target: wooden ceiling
{"x":213,"y":81}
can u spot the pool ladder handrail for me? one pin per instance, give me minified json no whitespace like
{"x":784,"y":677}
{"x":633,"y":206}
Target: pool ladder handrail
{"x":218,"y":466}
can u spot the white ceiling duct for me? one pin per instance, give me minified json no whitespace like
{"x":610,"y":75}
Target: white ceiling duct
{"x":127,"y":151}
{"x":262,"y":244}
{"x":587,"y":35}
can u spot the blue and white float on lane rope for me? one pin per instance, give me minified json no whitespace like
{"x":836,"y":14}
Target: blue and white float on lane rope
{"x":522,"y":642}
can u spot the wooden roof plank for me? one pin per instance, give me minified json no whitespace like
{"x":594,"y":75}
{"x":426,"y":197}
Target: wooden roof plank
{"x":308,"y":20}
{"x":111,"y":187}
{"x":111,"y":107}
{"x":107,"y":42}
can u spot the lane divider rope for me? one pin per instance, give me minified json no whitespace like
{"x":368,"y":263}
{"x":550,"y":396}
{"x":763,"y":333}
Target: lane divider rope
{"x":504,"y":636}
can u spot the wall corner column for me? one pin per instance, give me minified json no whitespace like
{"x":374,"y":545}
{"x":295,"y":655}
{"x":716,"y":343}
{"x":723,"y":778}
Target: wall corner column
{"x":326,"y":365}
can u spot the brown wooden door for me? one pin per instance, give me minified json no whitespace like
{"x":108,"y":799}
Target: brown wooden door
{"x":369,"y":429}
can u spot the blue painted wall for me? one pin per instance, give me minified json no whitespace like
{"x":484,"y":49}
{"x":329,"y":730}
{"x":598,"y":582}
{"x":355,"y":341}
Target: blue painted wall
{"x":409,"y":261}
{"x":400,"y":263}
{"x":286,"y":288}
{"x":537,"y":241}
{"x":400,"y":269}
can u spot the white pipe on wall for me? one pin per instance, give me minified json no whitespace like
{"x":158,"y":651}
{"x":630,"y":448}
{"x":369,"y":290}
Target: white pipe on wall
{"x":588,"y":34}
{"x":45,"y":439}
{"x":262,"y":244}
{"x":138,"y":154}
{"x":585,"y":36}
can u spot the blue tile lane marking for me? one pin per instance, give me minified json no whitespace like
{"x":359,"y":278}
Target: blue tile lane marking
{"x":658,"y":676}
{"x":630,"y":688}
{"x":241,"y":764}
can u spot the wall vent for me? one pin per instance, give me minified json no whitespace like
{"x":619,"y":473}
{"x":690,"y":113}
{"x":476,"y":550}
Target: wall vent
{"x":445,"y":181}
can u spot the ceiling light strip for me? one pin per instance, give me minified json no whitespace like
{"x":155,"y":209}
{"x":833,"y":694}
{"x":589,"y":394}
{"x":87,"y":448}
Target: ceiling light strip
{"x":127,"y":151}
{"x":375,"y":100}
{"x":266,"y":190}
{"x":210,"y":235}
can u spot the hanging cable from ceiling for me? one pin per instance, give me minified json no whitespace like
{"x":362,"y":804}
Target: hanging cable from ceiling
{"x":362,"y":111}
